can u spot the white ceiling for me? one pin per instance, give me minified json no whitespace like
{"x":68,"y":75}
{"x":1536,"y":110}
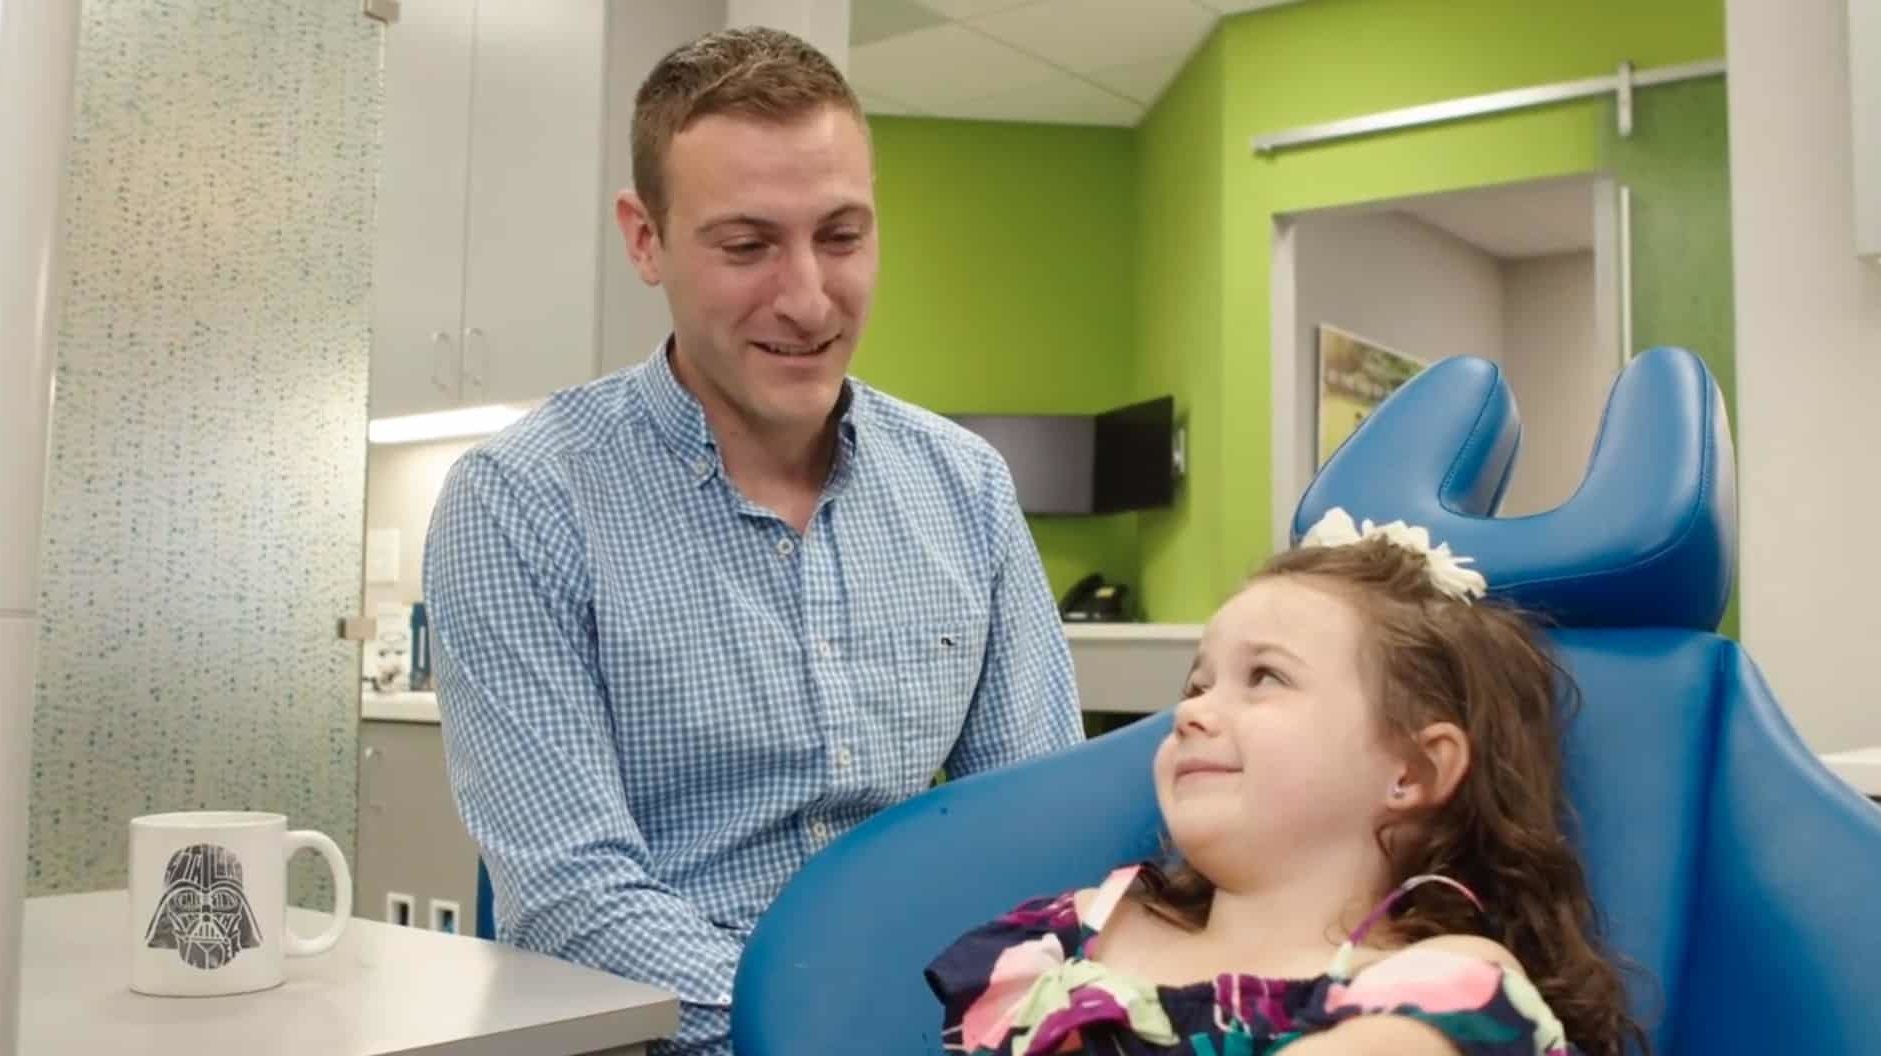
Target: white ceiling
{"x":1515,"y":222}
{"x":1082,"y":62}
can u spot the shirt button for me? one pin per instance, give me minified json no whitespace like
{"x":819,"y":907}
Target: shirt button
{"x":819,"y":829}
{"x":702,"y":469}
{"x":785,"y":548}
{"x":843,"y":758}
{"x":825,"y":650}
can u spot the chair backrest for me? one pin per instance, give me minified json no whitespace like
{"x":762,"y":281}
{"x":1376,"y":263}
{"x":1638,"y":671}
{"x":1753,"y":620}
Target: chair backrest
{"x":1731,"y":867}
{"x":486,"y":903}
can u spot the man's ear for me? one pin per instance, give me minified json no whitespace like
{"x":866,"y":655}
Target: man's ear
{"x":1432,"y":776}
{"x":640,"y":233}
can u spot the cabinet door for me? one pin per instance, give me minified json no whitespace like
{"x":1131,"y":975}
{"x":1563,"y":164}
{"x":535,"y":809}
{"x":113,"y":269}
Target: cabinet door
{"x":536,"y":207}
{"x":411,"y":841}
{"x":418,"y":253}
{"x":634,"y":316}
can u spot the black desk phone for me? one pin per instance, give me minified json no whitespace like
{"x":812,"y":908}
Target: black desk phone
{"x":1094,"y":599}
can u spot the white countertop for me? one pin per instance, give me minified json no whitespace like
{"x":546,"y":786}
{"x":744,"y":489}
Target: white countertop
{"x":383,"y":990}
{"x":1861,"y":768}
{"x":1133,"y":632}
{"x":423,"y":707}
{"x":398,"y":707}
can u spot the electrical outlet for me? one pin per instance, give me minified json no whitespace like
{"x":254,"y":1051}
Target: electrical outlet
{"x":399,"y":908}
{"x":444,"y":916}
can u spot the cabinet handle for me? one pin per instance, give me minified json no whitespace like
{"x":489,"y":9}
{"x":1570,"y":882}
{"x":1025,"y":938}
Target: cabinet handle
{"x":368,"y":785}
{"x":475,"y":371}
{"x":441,"y":361}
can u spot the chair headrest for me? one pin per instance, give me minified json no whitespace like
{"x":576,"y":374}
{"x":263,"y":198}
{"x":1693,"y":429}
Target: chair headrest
{"x":1648,"y":540}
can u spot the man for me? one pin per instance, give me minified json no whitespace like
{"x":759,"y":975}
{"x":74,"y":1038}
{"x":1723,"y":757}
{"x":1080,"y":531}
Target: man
{"x":699,"y":618}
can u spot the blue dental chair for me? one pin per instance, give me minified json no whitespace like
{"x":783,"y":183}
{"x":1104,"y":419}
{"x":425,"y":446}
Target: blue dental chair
{"x":1742,"y":877}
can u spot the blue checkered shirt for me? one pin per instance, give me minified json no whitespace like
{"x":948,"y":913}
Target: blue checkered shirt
{"x":659,"y":700}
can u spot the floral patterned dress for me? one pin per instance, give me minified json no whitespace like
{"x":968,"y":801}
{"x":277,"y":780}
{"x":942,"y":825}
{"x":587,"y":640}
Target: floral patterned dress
{"x":1022,"y":986}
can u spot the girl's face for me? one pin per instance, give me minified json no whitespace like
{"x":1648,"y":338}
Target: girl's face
{"x":1276,"y":748}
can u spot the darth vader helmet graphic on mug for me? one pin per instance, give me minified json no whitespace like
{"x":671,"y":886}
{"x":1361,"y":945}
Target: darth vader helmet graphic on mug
{"x":203,"y":913}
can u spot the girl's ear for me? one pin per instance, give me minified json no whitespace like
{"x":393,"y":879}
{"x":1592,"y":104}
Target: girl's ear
{"x":1431,"y":780}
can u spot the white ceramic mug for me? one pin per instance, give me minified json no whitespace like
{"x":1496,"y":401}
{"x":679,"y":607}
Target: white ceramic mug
{"x":209,"y":901}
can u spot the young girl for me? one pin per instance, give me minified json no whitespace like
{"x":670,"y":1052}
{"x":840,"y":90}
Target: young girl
{"x":1363,"y":789}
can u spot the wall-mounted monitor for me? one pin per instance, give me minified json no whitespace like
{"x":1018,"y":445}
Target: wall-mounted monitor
{"x":1135,"y":457}
{"x":1083,"y":463}
{"x":1051,"y":457}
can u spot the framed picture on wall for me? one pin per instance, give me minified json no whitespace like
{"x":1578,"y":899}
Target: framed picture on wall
{"x":1355,"y":376}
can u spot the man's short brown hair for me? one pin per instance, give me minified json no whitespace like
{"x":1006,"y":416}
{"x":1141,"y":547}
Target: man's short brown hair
{"x":753,"y":72}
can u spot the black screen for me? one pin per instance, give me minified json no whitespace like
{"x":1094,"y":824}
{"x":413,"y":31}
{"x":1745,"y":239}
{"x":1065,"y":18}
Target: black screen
{"x":1134,"y":469}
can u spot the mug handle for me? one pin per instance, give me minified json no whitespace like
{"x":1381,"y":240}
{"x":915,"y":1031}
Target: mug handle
{"x":307,"y":839}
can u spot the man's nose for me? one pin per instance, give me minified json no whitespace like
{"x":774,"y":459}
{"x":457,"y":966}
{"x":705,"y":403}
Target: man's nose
{"x":801,"y":297}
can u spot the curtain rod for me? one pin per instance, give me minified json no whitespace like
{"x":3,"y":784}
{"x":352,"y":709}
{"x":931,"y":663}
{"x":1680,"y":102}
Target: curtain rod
{"x":1622,"y":84}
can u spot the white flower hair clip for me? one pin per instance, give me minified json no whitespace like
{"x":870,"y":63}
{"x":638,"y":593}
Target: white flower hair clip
{"x":1446,"y":570}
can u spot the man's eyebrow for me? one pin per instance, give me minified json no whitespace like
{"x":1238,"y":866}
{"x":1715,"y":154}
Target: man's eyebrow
{"x":846,"y":209}
{"x":737,"y":220}
{"x":857,"y":210}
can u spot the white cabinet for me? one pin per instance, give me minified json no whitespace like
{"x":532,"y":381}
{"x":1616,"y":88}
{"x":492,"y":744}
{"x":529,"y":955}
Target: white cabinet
{"x":418,"y":253}
{"x":1864,"y":85}
{"x":536,"y":212}
{"x":505,"y":136}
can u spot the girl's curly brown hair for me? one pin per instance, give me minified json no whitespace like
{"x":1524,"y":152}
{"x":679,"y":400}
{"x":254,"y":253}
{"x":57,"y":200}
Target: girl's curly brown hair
{"x":1505,"y":831}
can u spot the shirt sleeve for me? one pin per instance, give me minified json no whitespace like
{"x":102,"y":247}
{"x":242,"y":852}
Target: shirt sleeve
{"x":1026,"y":703}
{"x":1483,"y":1008}
{"x":533,"y":763}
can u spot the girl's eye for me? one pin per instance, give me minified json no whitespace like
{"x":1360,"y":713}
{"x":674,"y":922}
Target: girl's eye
{"x":1266,"y":676}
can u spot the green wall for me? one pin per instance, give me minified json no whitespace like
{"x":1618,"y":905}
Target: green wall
{"x":1008,"y":286}
{"x":1308,"y":63}
{"x":1677,"y":165}
{"x":1179,"y":327}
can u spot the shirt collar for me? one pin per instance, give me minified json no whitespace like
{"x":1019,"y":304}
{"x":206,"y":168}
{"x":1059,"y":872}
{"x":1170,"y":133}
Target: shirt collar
{"x":681,"y":420}
{"x":676,"y":412}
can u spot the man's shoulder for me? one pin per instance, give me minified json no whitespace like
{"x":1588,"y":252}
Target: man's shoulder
{"x":570,"y":423}
{"x":921,"y":436}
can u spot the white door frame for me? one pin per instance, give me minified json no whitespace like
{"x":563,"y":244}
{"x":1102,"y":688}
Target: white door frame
{"x":38,"y":49}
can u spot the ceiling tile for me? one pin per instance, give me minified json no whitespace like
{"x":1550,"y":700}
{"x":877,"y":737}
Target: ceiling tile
{"x":1064,"y":99}
{"x":1142,"y":81}
{"x":1087,"y":35}
{"x":873,"y":20}
{"x":931,"y":67}
{"x":970,"y":8}
{"x":1230,"y":7}
{"x":875,"y":104}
